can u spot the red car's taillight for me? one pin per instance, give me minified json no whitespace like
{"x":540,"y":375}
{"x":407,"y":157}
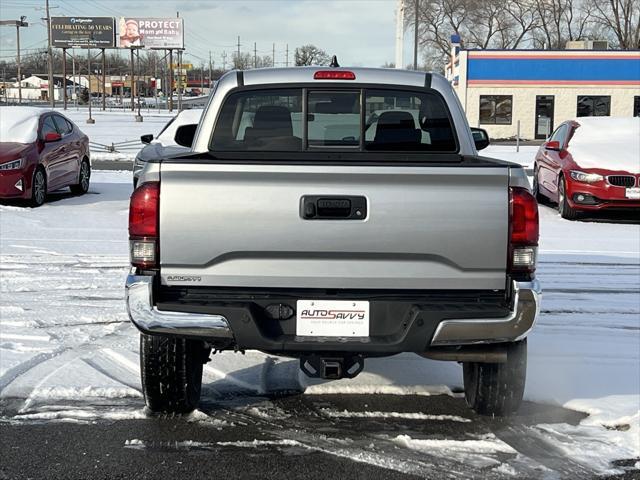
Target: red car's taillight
{"x":144,"y":222}
{"x":523,"y":231}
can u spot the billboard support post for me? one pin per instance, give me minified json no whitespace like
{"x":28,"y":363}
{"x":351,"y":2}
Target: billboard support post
{"x":90,"y":119}
{"x":179,"y":80}
{"x":170,"y":88}
{"x":74,"y":95}
{"x":138,"y":116}
{"x":64,"y":78}
{"x":104,"y":81}
{"x":133,"y":72}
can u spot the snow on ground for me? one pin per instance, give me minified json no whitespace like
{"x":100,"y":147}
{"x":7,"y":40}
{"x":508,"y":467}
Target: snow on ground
{"x":116,"y":127}
{"x":65,"y":338}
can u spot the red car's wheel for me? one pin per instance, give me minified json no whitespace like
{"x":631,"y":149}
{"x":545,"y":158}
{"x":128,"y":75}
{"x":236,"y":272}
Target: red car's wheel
{"x":83,"y":179}
{"x":536,"y":186}
{"x":565,"y":210}
{"x":38,"y":188}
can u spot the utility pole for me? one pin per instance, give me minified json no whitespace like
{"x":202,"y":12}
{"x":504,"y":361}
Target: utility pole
{"x":255,"y":55}
{"x":17,"y":24}
{"x":224,"y":61}
{"x":273,"y":56}
{"x":210,"y":68}
{"x":50,"y":55}
{"x":286,"y":61}
{"x":415,"y":36}
{"x":22,"y":23}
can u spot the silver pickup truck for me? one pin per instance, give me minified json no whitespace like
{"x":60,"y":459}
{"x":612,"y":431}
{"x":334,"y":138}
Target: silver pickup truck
{"x":330,"y":215}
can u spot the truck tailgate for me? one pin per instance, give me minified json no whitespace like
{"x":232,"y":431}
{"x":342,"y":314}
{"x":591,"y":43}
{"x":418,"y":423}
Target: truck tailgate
{"x":241,"y":225}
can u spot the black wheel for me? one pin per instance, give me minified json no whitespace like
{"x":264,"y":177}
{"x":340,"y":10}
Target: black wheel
{"x":38,"y":188}
{"x":565,"y":210}
{"x":84,"y":176}
{"x":536,"y":186}
{"x":171,"y":370}
{"x":497,"y":388}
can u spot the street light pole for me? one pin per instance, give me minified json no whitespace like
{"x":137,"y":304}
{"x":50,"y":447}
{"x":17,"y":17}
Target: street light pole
{"x":52,"y":100}
{"x":17,"y":24}
{"x":415,"y":35}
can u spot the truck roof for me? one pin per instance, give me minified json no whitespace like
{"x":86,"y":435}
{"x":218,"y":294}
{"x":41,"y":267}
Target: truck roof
{"x":386,"y":76}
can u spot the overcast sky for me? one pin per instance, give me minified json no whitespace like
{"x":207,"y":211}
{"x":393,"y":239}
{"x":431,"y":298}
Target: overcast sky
{"x":360,"y":32}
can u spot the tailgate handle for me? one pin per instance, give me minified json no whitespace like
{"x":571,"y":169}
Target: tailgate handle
{"x":330,"y":207}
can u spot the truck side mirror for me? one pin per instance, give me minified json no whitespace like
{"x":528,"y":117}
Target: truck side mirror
{"x":480,"y":138}
{"x":146,"y":138}
{"x":185,"y":134}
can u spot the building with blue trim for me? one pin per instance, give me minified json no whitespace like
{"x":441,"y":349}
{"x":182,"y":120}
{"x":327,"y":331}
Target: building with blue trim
{"x":539,"y":89}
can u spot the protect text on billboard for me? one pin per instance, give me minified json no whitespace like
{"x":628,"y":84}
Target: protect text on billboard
{"x":83,"y":32}
{"x":151,"y":32}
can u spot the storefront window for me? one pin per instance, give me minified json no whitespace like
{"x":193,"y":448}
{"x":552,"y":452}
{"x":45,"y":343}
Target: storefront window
{"x":636,"y":106}
{"x":594,"y":106}
{"x":496,"y":109}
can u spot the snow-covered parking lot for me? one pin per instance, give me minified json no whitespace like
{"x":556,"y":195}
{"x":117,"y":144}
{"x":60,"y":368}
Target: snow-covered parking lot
{"x":68,"y":353}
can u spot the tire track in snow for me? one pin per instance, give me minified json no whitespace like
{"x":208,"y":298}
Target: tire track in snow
{"x":530,"y":443}
{"x":13,"y":373}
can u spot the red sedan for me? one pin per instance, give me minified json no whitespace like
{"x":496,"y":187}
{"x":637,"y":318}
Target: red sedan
{"x":589,"y":164}
{"x":41,"y":151}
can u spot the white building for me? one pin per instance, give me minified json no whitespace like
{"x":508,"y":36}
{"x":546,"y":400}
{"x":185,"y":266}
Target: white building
{"x":539,"y":89}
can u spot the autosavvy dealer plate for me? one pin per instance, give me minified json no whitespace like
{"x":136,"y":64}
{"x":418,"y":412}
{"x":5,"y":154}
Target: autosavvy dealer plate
{"x":633,"y":193}
{"x":332,"y":318}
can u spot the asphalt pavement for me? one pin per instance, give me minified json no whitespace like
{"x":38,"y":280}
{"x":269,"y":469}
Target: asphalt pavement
{"x":287,"y":436}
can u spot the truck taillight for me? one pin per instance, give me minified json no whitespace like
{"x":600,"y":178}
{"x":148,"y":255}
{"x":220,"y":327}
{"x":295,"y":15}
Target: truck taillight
{"x":144,"y":222}
{"x":523,"y":231}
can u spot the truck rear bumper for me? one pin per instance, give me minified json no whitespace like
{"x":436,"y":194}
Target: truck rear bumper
{"x":420,"y":327}
{"x":148,"y":319}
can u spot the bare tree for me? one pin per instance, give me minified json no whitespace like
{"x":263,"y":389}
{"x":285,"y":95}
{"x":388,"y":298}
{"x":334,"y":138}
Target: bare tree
{"x":523,"y":21}
{"x":491,"y":23}
{"x":242,"y":61}
{"x":619,"y":21}
{"x":561,"y":21}
{"x":310,"y":55}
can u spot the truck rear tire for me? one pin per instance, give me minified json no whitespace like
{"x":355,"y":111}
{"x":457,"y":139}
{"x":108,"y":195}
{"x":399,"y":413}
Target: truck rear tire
{"x":497,"y":388}
{"x":171,"y":371}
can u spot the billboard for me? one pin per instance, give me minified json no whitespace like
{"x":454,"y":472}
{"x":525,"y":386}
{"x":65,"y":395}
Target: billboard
{"x":151,"y":32}
{"x":93,"y":32}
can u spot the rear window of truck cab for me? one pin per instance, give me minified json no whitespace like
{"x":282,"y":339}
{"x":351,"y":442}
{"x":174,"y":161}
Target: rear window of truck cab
{"x":326,"y":119}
